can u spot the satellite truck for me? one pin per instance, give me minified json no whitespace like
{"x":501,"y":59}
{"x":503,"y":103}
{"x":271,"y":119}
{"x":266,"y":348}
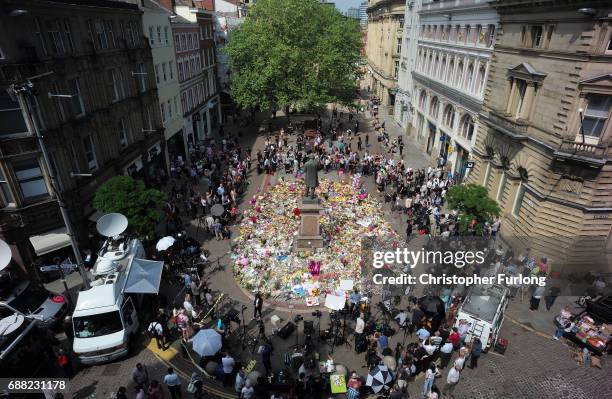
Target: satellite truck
{"x":105,"y":320}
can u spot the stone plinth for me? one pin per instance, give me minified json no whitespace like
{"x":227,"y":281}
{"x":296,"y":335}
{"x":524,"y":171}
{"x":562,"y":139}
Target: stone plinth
{"x":309,"y":236}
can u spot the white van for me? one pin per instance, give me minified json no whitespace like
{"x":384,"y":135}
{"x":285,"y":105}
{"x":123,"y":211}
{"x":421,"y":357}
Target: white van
{"x":483,"y":309}
{"x":105,"y":324}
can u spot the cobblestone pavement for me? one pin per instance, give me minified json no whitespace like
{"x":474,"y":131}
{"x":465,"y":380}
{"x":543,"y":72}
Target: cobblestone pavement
{"x":533,"y":367}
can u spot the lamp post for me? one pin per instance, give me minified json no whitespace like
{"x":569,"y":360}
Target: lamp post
{"x":22,"y":92}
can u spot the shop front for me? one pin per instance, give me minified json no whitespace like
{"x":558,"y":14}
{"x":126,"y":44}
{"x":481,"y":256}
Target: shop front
{"x":461,"y":163}
{"x":444,"y":149}
{"x":176,"y":145}
{"x":431,"y":139}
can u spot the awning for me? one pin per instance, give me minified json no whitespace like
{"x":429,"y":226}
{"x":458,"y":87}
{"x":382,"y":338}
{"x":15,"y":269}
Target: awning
{"x":144,"y":277}
{"x":50,"y":241}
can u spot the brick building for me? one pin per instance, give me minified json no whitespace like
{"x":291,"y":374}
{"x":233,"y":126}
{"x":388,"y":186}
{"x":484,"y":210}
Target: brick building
{"x":110,"y":121}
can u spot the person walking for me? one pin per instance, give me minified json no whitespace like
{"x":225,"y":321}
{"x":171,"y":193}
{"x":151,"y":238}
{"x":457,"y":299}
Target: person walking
{"x":446,"y":352}
{"x":266,"y":353}
{"x":156,"y":330}
{"x":430,"y":375}
{"x":475,"y":353}
{"x":367,"y":140}
{"x":452,"y":379}
{"x":140,"y":375}
{"x":154,"y":391}
{"x":258,"y":304}
{"x":534,"y":302}
{"x":173,"y":383}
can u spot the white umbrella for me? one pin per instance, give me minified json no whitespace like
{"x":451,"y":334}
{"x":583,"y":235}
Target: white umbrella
{"x":206,"y":342}
{"x":164,"y":243}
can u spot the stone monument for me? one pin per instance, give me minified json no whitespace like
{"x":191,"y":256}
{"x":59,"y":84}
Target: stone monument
{"x":309,"y":236}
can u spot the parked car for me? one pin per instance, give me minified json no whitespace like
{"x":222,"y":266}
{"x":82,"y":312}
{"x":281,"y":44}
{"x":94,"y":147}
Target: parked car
{"x":24,"y":297}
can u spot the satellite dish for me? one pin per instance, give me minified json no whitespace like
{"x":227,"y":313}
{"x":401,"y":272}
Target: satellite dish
{"x":112,"y":224}
{"x":5,"y":255}
{"x":10,"y":324}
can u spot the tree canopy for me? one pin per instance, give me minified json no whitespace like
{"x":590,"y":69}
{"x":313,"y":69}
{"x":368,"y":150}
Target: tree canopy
{"x":131,"y":198}
{"x":293,"y":53}
{"x":472,"y":202}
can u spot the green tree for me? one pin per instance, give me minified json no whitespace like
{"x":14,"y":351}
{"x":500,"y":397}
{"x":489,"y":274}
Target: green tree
{"x":472,"y":202}
{"x":293,"y":53}
{"x":130,"y":197}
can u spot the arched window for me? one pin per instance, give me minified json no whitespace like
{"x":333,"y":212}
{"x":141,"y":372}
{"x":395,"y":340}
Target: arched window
{"x":442,"y":69}
{"x":470,"y":77}
{"x":480,"y":78}
{"x":467,"y":127}
{"x":433,"y":107}
{"x":451,"y":69}
{"x":449,"y":116}
{"x":422,"y":100}
{"x":435,"y":67}
{"x":459,"y":74}
{"x":468,"y":31}
{"x":429,"y":64}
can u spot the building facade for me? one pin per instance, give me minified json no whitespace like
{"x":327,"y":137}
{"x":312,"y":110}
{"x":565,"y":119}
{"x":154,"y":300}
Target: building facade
{"x":352,"y":12}
{"x":453,"y":58}
{"x":385,"y":25}
{"x":543,"y":147}
{"x":408,"y":56}
{"x":97,"y":116}
{"x":158,"y":31}
{"x":363,"y":15}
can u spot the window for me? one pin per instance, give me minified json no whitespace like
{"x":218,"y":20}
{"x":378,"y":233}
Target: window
{"x":58,"y":102}
{"x":449,"y":116}
{"x":40,"y":37}
{"x":151,"y":37}
{"x":502,"y":187}
{"x":487,"y":174}
{"x":169,"y":109}
{"x":90,"y":153}
{"x":396,"y":69}
{"x":469,"y":78}
{"x":131,"y":34}
{"x":164,"y":71}
{"x":480,"y":35}
{"x":451,"y":69}
{"x":68,"y":33}
{"x":115,"y":81}
{"x":6,"y":196}
{"x":536,"y":36}
{"x":468,"y":31}
{"x":196,"y":41}
{"x":30,"y":179}
{"x":11,"y":117}
{"x":433,"y":107}
{"x":54,"y":31}
{"x":596,"y":114}
{"x":459,"y":74}
{"x":123,"y":140}
{"x":401,"y":22}
{"x":171,"y":69}
{"x":183,"y":41}
{"x":467,"y":127}
{"x":480,"y":79}
{"x":521,"y":89}
{"x":108,"y":27}
{"x":157,"y":74}
{"x":163,"y":112}
{"x":435,"y":66}
{"x":78,"y":108}
{"x":140,"y":78}
{"x":490,"y":35}
{"x":102,"y":39}
{"x":177,"y":42}
{"x":147,"y":122}
{"x":176,"y":109}
{"x":184,"y":102}
{"x":180,"y":70}
{"x":159,"y":37}
{"x":398,"y":46}
{"x":166,"y":40}
{"x":442,"y":69}
{"x":422,"y":100}
{"x":518,"y":200}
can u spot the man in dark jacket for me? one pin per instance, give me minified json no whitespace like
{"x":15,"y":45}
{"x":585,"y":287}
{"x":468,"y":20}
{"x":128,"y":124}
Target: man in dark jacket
{"x":475,"y":353}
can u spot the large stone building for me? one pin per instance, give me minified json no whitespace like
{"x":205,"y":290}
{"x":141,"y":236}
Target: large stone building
{"x":383,"y":48}
{"x":452,"y":60}
{"x":544,"y":143}
{"x":97,"y":116}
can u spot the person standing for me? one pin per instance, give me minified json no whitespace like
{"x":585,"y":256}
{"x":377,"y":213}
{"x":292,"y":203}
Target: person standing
{"x":155,"y":391}
{"x":430,"y":375}
{"x":534,"y":302}
{"x":452,"y":379}
{"x":140,"y":375}
{"x":550,"y":299}
{"x":446,"y":352}
{"x":173,"y":383}
{"x":367,"y":140}
{"x":247,"y":391}
{"x":258,"y":304}
{"x":228,"y":363}
{"x":266,"y":358}
{"x":475,"y":353}
{"x":64,"y":362}
{"x":354,"y":299}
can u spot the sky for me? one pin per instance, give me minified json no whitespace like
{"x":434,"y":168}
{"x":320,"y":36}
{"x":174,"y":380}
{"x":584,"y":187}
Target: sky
{"x":343,"y":5}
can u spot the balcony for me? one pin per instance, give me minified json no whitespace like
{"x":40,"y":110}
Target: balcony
{"x":515,"y":129}
{"x":594,"y":155}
